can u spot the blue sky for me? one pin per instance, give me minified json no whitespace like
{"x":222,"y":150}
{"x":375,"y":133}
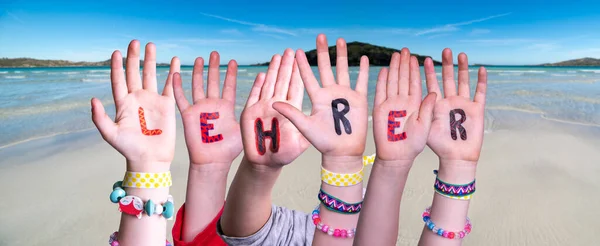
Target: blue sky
{"x":499,"y":32}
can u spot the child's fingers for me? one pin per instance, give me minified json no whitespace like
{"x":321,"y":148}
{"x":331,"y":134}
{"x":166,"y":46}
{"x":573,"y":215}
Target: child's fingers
{"x":380,"y":87}
{"x":175,"y":68}
{"x":431,"y":78}
{"x":426,"y":109}
{"x":198,"y":80}
{"x":463,"y":76}
{"x":308,"y":78}
{"x":341,"y":66}
{"x":256,"y":88}
{"x":182,"y":102}
{"x":213,"y":75}
{"x":299,"y":119}
{"x":106,"y":127}
{"x":284,"y":75}
{"x":149,"y":71}
{"x":415,"y":87}
{"x":271,"y":78}
{"x":324,"y":64}
{"x":117,"y":78}
{"x":132,"y":71}
{"x":362,"y":82}
{"x":448,"y":73}
{"x":392,"y":80}
{"x":230,"y":81}
{"x":404,"y":74}
{"x":481,"y":89}
{"x":296,"y":90}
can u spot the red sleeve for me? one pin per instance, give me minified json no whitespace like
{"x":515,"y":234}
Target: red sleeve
{"x":206,"y":237}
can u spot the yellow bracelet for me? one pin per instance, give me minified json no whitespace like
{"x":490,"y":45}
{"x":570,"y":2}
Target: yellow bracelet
{"x":368,"y":159}
{"x":338,"y":179}
{"x":147,"y":180}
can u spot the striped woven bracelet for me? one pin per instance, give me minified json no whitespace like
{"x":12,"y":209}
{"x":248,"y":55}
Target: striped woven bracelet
{"x":334,"y":204}
{"x":454,"y":191}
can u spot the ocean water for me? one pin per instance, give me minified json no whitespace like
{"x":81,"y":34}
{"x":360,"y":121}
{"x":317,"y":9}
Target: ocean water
{"x":42,"y":102}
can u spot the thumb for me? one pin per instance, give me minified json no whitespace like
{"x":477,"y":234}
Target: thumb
{"x":426,"y":109}
{"x":105,"y":125}
{"x":296,"y":116}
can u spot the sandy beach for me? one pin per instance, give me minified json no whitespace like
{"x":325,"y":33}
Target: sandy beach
{"x":537,"y":181}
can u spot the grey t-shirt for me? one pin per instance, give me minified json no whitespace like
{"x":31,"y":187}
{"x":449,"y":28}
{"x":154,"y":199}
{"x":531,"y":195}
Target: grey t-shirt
{"x":284,"y":227}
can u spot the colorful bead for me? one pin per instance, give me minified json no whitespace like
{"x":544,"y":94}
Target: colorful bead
{"x":341,"y":233}
{"x":149,"y":207}
{"x":117,"y":194}
{"x":168,"y":210}
{"x":118,"y":184}
{"x":441,"y":232}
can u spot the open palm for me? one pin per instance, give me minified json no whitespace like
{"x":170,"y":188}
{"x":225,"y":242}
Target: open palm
{"x":144,"y":126}
{"x":347,"y":136}
{"x":212,"y":133}
{"x":457,"y":127}
{"x":400,"y":121}
{"x":282,"y":83}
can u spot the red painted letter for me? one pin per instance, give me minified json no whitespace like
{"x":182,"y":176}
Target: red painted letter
{"x":393,"y":124}
{"x":205,"y":126}
{"x":145,"y":130}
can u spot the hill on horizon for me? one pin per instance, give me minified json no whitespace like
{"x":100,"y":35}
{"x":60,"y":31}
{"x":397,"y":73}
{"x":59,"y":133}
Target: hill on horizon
{"x":30,"y":62}
{"x":586,"y":61}
{"x":378,"y":55}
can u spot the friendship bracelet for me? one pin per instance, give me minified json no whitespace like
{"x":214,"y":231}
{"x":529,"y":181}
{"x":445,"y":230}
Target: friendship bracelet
{"x":337,"y":179}
{"x":334,"y":204}
{"x":454,"y":191}
{"x":342,"y":233}
{"x":134,"y":205}
{"x":113,"y":241}
{"x":147,"y":180}
{"x":441,"y":232}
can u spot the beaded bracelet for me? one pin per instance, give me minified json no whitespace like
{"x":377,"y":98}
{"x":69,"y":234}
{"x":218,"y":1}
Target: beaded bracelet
{"x":134,"y":205}
{"x":454,"y":191}
{"x":342,"y":233}
{"x":113,"y":241}
{"x":441,"y":232}
{"x":334,"y":204}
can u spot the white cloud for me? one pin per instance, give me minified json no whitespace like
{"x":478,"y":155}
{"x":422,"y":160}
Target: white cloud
{"x":232,"y":31}
{"x":255,"y":26}
{"x":454,"y":26}
{"x":498,"y":42}
{"x":15,"y":17}
{"x":478,"y":31}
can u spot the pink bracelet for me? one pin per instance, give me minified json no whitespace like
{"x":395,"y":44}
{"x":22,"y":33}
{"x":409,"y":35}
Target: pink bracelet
{"x":441,"y":232}
{"x":112,"y":241}
{"x":343,"y":233}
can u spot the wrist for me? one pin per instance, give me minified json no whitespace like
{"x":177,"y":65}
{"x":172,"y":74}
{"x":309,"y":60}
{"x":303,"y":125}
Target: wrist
{"x":261,"y":169}
{"x":148,"y":166}
{"x":342,"y":164}
{"x":210,"y":168}
{"x":457,"y":172}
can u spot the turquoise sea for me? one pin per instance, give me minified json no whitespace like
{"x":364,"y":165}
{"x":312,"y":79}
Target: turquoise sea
{"x":42,"y":102}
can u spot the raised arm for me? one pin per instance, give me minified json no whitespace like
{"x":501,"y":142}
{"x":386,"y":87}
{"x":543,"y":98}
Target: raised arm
{"x":337,"y":127}
{"x":270,"y":142}
{"x":401,"y":123}
{"x":144,"y":133}
{"x":213,"y":139}
{"x":456,"y":137}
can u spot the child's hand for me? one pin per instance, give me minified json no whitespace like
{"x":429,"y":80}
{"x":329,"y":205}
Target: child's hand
{"x":401,"y":121}
{"x":144,"y":128}
{"x":266,"y":143}
{"x":457,"y":128}
{"x":212,"y":133}
{"x":337,"y":125}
